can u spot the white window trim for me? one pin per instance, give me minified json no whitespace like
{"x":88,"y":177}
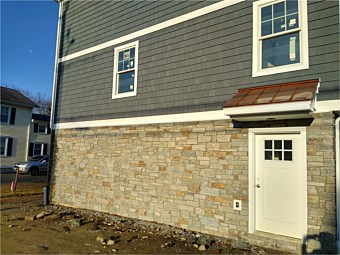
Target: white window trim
{"x":9,"y":114}
{"x":115,"y":71}
{"x":6,"y":147}
{"x":304,"y":49}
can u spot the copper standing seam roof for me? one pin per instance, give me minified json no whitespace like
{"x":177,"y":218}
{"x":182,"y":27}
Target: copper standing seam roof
{"x":279,"y":93}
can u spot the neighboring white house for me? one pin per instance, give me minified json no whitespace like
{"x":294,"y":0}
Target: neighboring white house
{"x":18,"y":137}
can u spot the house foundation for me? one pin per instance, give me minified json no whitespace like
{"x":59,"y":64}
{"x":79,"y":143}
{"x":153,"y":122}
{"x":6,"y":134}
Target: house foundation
{"x":188,"y":175}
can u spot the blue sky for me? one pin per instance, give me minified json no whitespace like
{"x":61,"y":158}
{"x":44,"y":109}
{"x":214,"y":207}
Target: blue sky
{"x":28,"y":39}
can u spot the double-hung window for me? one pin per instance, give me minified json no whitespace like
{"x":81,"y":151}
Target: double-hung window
{"x":280,"y":36}
{"x":5,"y":114}
{"x":125,"y":70}
{"x":6,"y":146}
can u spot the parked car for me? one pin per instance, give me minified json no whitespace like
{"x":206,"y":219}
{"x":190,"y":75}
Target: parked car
{"x":36,"y":165}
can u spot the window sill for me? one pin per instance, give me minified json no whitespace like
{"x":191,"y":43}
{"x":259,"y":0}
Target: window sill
{"x":280,"y":69}
{"x":128,"y":94}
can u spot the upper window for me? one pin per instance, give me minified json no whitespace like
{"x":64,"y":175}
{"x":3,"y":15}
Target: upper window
{"x":125,"y":70}
{"x":280,"y":36}
{"x":5,"y":114}
{"x":41,"y":129}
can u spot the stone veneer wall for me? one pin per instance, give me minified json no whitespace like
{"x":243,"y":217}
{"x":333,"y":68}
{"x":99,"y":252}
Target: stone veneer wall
{"x":185,"y":175}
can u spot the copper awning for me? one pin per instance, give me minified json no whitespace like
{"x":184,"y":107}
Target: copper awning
{"x":279,"y":98}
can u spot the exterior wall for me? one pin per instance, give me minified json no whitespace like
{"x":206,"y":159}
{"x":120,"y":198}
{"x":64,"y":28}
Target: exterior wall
{"x":39,"y":137}
{"x":19,"y":132}
{"x":193,"y":66}
{"x":186,"y":175}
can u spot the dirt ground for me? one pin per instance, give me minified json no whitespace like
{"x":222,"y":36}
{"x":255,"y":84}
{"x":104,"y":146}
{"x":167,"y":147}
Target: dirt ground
{"x":61,"y":230}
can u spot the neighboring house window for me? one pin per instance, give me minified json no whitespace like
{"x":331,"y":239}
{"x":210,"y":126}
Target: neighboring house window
{"x":6,"y":146}
{"x":8,"y":114}
{"x":280,"y":36}
{"x":41,"y":129}
{"x":37,"y":149}
{"x":125,"y":70}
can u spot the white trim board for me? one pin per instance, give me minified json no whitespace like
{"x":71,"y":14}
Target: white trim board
{"x":154,"y":28}
{"x":170,"y":118}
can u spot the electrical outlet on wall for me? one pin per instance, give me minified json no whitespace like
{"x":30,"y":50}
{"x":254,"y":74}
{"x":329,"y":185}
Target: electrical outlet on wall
{"x":237,"y":205}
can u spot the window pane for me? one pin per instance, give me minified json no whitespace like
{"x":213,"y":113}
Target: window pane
{"x":126,"y":65}
{"x":126,"y":54}
{"x":121,"y":55}
{"x":126,"y":82}
{"x":277,"y":144}
{"x":3,"y":146}
{"x":291,"y":6}
{"x":268,"y":144}
{"x":42,"y":129}
{"x":288,"y":155}
{"x":292,"y":21}
{"x":279,"y":25}
{"x":266,"y":28}
{"x":281,"y":50}
{"x":4,"y":114}
{"x":288,"y":144}
{"x":132,"y":53}
{"x":132,"y":63}
{"x":277,"y":155}
{"x":268,"y":155}
{"x":266,"y":13}
{"x":120,"y":66}
{"x":279,"y":9}
{"x":37,"y":149}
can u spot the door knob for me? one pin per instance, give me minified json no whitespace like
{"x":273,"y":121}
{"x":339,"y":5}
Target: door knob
{"x":258,"y":186}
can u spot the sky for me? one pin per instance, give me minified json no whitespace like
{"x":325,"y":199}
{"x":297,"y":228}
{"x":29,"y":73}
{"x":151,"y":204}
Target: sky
{"x":28,"y":42}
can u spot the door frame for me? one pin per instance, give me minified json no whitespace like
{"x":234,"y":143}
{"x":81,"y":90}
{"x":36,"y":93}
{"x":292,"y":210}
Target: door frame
{"x":252,"y":171}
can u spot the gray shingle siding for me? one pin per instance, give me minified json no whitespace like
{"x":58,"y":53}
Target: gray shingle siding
{"x":89,"y":23}
{"x":193,"y":66}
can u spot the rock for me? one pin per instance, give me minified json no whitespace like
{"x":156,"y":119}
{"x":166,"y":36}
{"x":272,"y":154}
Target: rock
{"x":52,"y":217}
{"x":68,"y":217}
{"x":195,"y":245}
{"x":31,"y":218}
{"x":12,"y":225}
{"x":100,"y":239}
{"x":110,"y":242}
{"x":76,"y":223}
{"x":43,"y":214}
{"x":202,"y":247}
{"x":114,"y":250}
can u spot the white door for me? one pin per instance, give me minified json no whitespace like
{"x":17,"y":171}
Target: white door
{"x":279,"y":189}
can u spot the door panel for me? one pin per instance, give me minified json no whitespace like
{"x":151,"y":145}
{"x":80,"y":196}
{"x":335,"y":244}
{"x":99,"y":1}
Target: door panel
{"x":279,"y":178}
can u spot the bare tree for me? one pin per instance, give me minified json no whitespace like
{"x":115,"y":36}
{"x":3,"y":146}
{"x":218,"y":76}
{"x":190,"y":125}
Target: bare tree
{"x":44,"y":103}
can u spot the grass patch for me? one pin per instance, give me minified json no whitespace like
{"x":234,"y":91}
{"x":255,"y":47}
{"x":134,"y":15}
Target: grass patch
{"x":22,"y":193}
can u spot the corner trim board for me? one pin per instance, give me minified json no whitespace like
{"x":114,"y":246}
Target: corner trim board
{"x":154,"y":28}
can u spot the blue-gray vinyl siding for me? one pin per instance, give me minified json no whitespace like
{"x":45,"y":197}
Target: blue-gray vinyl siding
{"x":190,"y":67}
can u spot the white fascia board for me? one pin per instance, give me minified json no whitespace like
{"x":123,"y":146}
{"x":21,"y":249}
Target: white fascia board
{"x":327,"y":106}
{"x":154,"y":28}
{"x":159,"y":119}
{"x":269,"y":108}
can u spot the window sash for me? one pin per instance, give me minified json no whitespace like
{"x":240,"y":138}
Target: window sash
{"x":122,"y":73}
{"x":301,"y":27}
{"x":42,"y":129}
{"x":3,"y":146}
{"x":5,"y":114}
{"x":38,"y":149}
